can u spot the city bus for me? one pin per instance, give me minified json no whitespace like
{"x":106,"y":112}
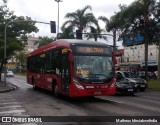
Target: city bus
{"x":74,"y":68}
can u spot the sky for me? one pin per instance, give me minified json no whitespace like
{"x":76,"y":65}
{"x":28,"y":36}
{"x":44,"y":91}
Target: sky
{"x":47,"y":10}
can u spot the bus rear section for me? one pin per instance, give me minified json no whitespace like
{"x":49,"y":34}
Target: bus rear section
{"x":74,"y":69}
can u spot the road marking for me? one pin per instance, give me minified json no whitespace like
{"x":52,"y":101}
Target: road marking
{"x":151,"y":97}
{"x":11,"y":111}
{"x":6,"y":103}
{"x":11,"y":106}
{"x":7,"y":100}
{"x":111,"y":100}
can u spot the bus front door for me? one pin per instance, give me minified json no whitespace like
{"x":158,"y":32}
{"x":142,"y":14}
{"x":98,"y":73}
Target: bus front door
{"x":65,"y":75}
{"x":42,"y":77}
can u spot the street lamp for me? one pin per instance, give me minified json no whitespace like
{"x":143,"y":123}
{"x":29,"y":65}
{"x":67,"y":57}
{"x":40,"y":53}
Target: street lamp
{"x":58,"y":18}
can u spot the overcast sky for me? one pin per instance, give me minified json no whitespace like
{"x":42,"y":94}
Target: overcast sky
{"x":47,"y":10}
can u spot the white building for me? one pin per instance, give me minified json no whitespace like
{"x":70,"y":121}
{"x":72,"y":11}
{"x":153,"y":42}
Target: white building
{"x":135,"y":55}
{"x":31,"y":44}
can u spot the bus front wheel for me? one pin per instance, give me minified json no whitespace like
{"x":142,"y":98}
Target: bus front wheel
{"x":55,"y":90}
{"x":33,"y":83}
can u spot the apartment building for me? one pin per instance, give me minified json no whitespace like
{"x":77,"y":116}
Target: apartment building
{"x":135,"y":56}
{"x":31,"y":44}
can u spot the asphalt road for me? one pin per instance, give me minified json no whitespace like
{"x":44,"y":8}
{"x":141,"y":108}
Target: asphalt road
{"x":27,"y":102}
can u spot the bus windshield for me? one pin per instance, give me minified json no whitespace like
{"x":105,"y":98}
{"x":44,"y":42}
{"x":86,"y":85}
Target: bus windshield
{"x":93,"y":69}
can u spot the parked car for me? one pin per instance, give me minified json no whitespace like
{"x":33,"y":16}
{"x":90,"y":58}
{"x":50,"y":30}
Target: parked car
{"x":133,"y":77}
{"x":10,"y":74}
{"x":156,"y":72}
{"x":151,"y":75}
{"x":124,"y":86}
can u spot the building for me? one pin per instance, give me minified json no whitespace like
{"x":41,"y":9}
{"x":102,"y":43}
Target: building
{"x":31,"y":44}
{"x":120,"y":57}
{"x":134,"y":57}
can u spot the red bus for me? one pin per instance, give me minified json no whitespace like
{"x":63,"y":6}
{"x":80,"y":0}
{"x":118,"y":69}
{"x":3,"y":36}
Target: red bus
{"x":73,"y":68}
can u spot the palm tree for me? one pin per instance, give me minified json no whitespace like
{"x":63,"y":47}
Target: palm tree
{"x":80,"y":19}
{"x":43,"y":41}
{"x":111,"y":25}
{"x":140,"y":19}
{"x":67,"y":33}
{"x":95,"y":33}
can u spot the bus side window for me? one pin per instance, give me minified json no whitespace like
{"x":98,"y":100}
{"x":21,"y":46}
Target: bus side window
{"x":55,"y":61}
{"x":48,"y":62}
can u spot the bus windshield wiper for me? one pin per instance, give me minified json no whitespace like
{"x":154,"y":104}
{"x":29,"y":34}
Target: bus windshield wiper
{"x":101,"y":75}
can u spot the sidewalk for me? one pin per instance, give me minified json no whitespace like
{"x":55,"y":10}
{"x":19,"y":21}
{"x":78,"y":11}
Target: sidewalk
{"x":6,"y":88}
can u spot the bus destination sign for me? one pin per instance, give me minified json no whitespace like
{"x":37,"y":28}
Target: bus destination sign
{"x":98,"y":50}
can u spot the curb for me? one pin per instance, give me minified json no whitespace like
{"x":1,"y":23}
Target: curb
{"x":10,"y":87}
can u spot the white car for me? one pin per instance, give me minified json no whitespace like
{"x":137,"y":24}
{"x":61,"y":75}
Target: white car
{"x":156,"y":72}
{"x":10,"y":74}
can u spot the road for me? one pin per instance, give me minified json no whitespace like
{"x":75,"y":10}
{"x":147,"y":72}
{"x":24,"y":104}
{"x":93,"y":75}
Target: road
{"x":28,"y":102}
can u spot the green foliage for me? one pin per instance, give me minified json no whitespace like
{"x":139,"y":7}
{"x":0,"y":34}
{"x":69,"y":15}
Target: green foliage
{"x":21,"y":59}
{"x":43,"y":41}
{"x":95,"y":33}
{"x":80,"y":20}
{"x":154,"y":84}
{"x":17,"y":28}
{"x":67,"y":33}
{"x":139,"y":17}
{"x":16,"y":31}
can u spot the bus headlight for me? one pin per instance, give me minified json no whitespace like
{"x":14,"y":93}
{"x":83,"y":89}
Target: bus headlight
{"x":78,"y":85}
{"x":113,"y":83}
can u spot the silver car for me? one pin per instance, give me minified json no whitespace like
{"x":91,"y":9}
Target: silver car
{"x":10,"y":74}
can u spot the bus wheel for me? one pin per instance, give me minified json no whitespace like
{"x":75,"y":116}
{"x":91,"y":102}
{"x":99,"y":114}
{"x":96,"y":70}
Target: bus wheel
{"x":33,"y":83}
{"x":55,"y":90}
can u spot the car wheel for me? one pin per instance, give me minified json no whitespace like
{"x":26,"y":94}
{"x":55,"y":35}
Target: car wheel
{"x":131,"y":94}
{"x":142,"y":90}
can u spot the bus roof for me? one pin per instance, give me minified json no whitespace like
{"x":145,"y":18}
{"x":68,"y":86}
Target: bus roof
{"x":66,"y":43}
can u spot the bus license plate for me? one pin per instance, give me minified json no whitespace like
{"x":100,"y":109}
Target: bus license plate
{"x":97,"y":93}
{"x":130,"y":90}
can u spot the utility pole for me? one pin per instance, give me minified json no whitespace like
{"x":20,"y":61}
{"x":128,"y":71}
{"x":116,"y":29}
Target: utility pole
{"x":58,"y":18}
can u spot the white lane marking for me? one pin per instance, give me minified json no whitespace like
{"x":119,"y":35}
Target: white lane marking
{"x":151,"y":97}
{"x":8,"y":103}
{"x":12,"y":111}
{"x":10,"y":106}
{"x":111,"y":100}
{"x":7,"y":100}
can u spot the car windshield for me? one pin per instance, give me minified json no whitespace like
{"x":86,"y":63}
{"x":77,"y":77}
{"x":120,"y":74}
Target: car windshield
{"x":9,"y":71}
{"x":131,"y":75}
{"x":93,"y":69}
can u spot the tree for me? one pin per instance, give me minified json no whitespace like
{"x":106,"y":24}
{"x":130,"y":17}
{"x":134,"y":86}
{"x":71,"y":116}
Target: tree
{"x":16,"y":32}
{"x":21,"y":59}
{"x":67,"y":33}
{"x":80,"y":19}
{"x":139,"y":18}
{"x":111,"y":25}
{"x":44,"y":40}
{"x":95,"y":33}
